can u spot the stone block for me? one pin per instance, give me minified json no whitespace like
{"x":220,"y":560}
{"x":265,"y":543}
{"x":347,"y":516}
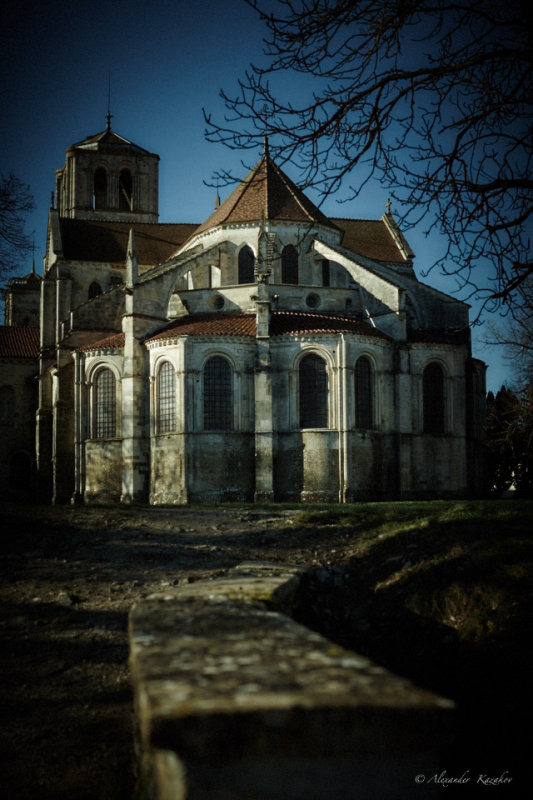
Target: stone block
{"x":236,"y":700}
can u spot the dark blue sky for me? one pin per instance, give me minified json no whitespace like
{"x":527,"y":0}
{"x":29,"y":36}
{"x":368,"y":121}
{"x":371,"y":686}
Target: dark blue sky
{"x":166,"y":61}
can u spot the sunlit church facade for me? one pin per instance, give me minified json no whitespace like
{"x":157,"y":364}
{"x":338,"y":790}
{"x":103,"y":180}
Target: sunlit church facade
{"x":268,"y":353}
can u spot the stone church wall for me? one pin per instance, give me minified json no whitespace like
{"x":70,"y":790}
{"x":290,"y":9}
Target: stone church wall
{"x":222,"y":465}
{"x":168,"y":469}
{"x":103,"y":470}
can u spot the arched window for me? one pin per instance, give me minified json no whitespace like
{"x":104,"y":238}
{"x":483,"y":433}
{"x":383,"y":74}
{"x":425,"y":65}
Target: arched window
{"x":433,"y":399}
{"x":313,"y":384}
{"x":246,"y":265}
{"x":7,"y":405}
{"x":105,"y":404}
{"x":218,"y":395}
{"x":289,"y":264}
{"x":364,"y":393}
{"x":166,"y":398}
{"x":125,"y":190}
{"x":94,"y":290}
{"x":100,"y":188}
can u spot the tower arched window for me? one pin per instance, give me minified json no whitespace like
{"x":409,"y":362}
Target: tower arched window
{"x":100,"y":188}
{"x":289,"y":264}
{"x":105,"y":404}
{"x":313,"y":392}
{"x":246,"y":265}
{"x":166,"y":398}
{"x":364,"y":393}
{"x":94,"y":290}
{"x":125,"y":190}
{"x":218,"y":395}
{"x":433,"y":399}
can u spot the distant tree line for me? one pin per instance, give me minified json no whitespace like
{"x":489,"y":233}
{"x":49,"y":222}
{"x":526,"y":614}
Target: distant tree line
{"x":509,"y":428}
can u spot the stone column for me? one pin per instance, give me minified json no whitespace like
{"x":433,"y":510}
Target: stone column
{"x":264,"y":467}
{"x":63,"y":428}
{"x":403,"y":407}
{"x":135,"y":456}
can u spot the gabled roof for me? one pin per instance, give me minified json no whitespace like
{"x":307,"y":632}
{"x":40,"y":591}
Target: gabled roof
{"x":267,"y":193}
{"x":19,"y":342}
{"x":88,"y":240}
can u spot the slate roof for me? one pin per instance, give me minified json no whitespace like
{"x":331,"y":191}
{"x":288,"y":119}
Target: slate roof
{"x":109,"y":141}
{"x":19,"y":342}
{"x":88,"y":240}
{"x":283,"y":322}
{"x":370,"y":238}
{"x":439,"y":336}
{"x":29,"y":281}
{"x":267,"y":191}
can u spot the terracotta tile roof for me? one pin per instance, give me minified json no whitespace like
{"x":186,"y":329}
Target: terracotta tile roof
{"x":18,"y":342}
{"x":266,"y":190}
{"x":107,"y":242}
{"x":209,"y":325}
{"x":114,"y":342}
{"x":283,"y":322}
{"x":370,"y":238}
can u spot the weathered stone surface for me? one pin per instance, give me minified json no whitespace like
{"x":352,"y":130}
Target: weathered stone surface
{"x":253,"y":704}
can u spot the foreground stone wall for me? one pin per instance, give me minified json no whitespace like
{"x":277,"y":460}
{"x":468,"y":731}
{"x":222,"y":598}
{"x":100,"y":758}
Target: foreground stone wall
{"x":236,"y":700}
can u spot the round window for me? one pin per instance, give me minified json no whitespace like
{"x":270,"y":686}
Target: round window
{"x":312,"y":300}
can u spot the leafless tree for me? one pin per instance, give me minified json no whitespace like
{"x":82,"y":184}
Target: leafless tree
{"x":16,"y":202}
{"x":431,"y":97}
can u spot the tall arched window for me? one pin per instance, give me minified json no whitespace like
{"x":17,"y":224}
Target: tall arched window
{"x":433,"y":399}
{"x":218,"y":395}
{"x":289,"y":264}
{"x":105,"y":404}
{"x":125,"y":190}
{"x":364,"y":393}
{"x":100,"y":188}
{"x":166,"y":398}
{"x":7,"y":405}
{"x":246,"y":265}
{"x":313,"y":385}
{"x":94,"y":290}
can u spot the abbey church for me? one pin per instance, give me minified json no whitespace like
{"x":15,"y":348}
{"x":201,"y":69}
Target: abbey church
{"x":269,"y":353}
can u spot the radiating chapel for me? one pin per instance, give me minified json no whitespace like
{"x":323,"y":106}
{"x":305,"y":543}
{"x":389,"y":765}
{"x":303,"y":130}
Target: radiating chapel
{"x":268,"y":353}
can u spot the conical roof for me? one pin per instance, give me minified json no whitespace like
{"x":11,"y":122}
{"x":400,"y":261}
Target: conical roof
{"x":267,"y":193}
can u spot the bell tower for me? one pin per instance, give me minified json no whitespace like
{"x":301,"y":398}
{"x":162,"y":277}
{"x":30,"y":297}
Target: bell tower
{"x":108,"y":177}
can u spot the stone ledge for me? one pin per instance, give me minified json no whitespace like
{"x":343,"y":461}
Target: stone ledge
{"x":235,"y":699}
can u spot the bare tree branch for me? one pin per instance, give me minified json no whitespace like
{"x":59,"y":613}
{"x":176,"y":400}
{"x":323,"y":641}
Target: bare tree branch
{"x":16,"y":202}
{"x":432,"y":99}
